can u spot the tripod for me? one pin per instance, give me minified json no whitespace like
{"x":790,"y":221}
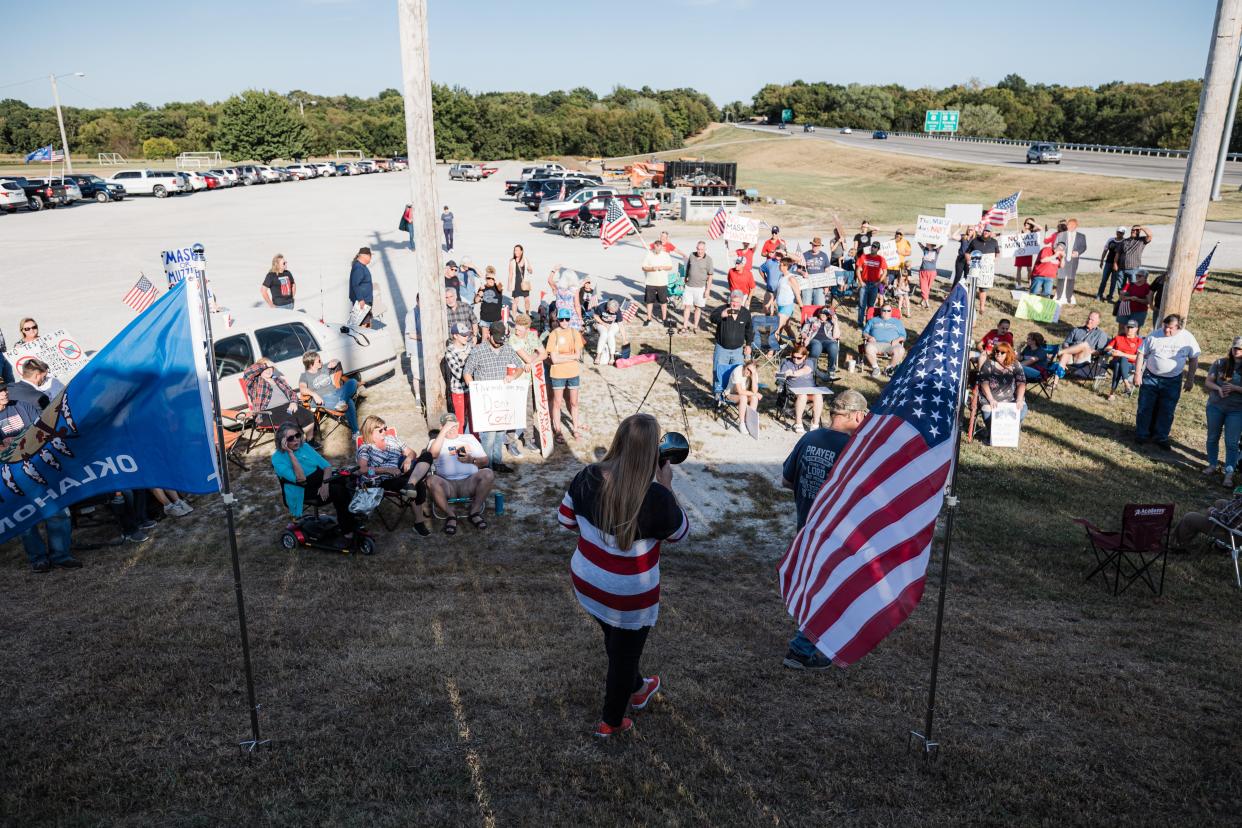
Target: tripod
{"x":668,"y":359}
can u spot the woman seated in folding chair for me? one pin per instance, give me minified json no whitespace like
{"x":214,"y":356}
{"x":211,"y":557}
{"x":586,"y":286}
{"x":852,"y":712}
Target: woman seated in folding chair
{"x":262,"y":383}
{"x":822,"y":335}
{"x":300,"y":470}
{"x":383,"y":453}
{"x":1035,"y":358}
{"x":319,"y":383}
{"x":740,"y":385}
{"x":798,"y":373}
{"x":1002,"y":380}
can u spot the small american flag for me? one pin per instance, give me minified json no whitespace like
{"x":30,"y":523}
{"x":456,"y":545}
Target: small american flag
{"x":716,"y":229}
{"x":1201,"y":272}
{"x":856,"y":569}
{"x":617,"y":224}
{"x":629,"y":309}
{"x":141,"y":295}
{"x":1002,"y":211}
{"x":561,"y":195}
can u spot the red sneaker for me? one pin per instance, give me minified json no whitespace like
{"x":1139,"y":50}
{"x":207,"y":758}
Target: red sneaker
{"x":650,"y":685}
{"x":603,"y":730}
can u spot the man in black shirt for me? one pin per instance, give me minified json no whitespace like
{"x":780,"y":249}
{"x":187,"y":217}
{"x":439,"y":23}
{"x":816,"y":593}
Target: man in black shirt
{"x":34,"y":374}
{"x":734,"y":331}
{"x":983,"y":245}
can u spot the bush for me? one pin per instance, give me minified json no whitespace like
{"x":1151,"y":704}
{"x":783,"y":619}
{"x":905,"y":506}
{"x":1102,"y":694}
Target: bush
{"x":159,"y":148}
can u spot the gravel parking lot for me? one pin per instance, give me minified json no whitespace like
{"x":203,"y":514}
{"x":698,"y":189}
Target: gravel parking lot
{"x":70,"y":267}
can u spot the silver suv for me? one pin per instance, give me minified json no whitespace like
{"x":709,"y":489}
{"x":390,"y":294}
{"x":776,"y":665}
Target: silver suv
{"x":1043,"y":154}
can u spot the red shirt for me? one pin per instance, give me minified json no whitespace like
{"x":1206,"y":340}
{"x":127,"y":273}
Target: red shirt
{"x":1128,"y":345}
{"x":670,"y":248}
{"x":741,"y":278}
{"x":771,"y":244}
{"x":1138,"y":296}
{"x":993,"y":336}
{"x":872,"y":268}
{"x":1042,"y":269}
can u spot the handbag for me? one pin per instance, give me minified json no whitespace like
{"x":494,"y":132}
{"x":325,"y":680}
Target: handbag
{"x":365,"y":500}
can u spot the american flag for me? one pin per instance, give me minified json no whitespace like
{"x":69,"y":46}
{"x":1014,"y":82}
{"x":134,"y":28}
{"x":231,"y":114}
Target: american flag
{"x":856,"y":569}
{"x":561,"y":196}
{"x":141,"y":295}
{"x":1201,"y":272}
{"x":1002,"y":211}
{"x":629,"y":309}
{"x":716,"y":229}
{"x":617,"y":224}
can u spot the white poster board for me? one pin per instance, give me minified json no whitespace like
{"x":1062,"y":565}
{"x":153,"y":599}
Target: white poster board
{"x":963,"y":213}
{"x":832,"y":277}
{"x":358,"y":314}
{"x":496,"y":405}
{"x":1019,"y":244}
{"x":1006,"y":425}
{"x":985,"y":272}
{"x":59,"y":349}
{"x":741,"y":229}
{"x":888,"y":249}
{"x":179,"y":263}
{"x":933,"y":230}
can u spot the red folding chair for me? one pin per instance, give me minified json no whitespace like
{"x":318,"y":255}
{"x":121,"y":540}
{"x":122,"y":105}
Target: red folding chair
{"x":1131,"y":553}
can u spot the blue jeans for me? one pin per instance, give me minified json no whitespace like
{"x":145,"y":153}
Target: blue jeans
{"x":448,"y":238}
{"x":1218,"y":420}
{"x":494,"y":444}
{"x":1123,"y":369}
{"x":831,"y":347}
{"x":721,"y":358}
{"x":1157,"y":401}
{"x":59,"y":536}
{"x":1042,"y":286}
{"x":345,"y":394}
{"x":867,"y":295}
{"x":1111,"y":279}
{"x":802,"y":645}
{"x":812,"y":296}
{"x":1126,"y":276}
{"x":771,"y":322}
{"x":1032,"y":374}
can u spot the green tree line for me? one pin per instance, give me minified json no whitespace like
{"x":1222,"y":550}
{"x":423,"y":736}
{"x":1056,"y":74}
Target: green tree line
{"x":266,"y":125}
{"x":1130,"y":114}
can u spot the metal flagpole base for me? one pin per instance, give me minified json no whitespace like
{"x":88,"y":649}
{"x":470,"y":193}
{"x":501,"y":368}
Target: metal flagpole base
{"x":931,"y":749}
{"x":252,"y":746}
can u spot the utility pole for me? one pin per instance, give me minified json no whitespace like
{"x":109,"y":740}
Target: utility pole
{"x":60,"y":119}
{"x":1197,"y":187}
{"x":1223,"y":155}
{"x":421,"y":153}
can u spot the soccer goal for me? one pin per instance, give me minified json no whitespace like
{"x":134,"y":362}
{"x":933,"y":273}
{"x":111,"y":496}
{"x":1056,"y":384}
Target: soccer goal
{"x":353,"y":155}
{"x":112,"y":159}
{"x":198,"y":160}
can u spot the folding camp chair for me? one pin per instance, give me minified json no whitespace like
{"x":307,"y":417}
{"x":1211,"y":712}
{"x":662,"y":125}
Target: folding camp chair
{"x":1131,"y":553}
{"x":234,"y":430}
{"x":765,"y":328}
{"x":401,"y":500}
{"x":334,"y":418}
{"x":1231,"y":542}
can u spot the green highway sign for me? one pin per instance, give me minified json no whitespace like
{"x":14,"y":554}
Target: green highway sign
{"x":940,"y":120}
{"x":786,"y":115}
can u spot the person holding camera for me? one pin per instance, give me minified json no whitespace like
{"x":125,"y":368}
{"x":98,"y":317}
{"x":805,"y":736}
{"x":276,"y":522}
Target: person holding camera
{"x":623,"y":508}
{"x":461,"y":471}
{"x":734,"y":331}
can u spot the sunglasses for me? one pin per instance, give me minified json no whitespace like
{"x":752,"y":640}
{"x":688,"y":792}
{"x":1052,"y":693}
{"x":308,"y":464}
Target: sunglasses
{"x":31,"y":328}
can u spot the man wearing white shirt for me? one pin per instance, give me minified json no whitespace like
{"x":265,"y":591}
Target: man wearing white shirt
{"x":460,"y":464}
{"x":656,"y":266}
{"x":1162,"y":361}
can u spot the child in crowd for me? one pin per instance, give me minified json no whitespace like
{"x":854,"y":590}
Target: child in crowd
{"x":901,"y":293}
{"x":490,"y":298}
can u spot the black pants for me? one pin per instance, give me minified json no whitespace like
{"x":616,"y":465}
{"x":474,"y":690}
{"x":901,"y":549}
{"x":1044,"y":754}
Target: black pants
{"x":402,"y":481}
{"x":339,"y":496}
{"x":624,"y":648}
{"x":448,"y":238}
{"x":961,"y":265}
{"x":131,"y":512}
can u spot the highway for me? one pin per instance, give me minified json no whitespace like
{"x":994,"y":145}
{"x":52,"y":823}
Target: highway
{"x":1005,"y":155}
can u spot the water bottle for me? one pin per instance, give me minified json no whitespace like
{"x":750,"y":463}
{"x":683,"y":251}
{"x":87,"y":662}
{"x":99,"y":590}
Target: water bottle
{"x":500,"y":502}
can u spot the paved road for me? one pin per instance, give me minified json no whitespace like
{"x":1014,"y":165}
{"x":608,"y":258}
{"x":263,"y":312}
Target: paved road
{"x":1006,"y":155}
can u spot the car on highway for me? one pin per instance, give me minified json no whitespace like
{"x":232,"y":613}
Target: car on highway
{"x":1043,"y":153}
{"x":808,"y":127}
{"x":12,"y":196}
{"x":780,"y":126}
{"x":245,"y":334}
{"x":38,"y":194}
{"x":550,"y":206}
{"x":92,"y":186}
{"x":158,"y":183}
{"x":880,"y":135}
{"x":465,"y":172}
{"x":846,"y":131}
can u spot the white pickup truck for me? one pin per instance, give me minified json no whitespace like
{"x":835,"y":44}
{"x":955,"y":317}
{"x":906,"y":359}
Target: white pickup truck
{"x":466,"y":172}
{"x":158,"y":183}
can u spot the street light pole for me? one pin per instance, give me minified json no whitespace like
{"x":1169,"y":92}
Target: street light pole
{"x":1223,"y":155}
{"x":60,"y":119}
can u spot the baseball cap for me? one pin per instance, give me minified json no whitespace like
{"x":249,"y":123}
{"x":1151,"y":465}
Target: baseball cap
{"x":448,"y":417}
{"x":739,"y":260}
{"x":450,"y":263}
{"x":1237,"y":343}
{"x":775,"y":229}
{"x":498,"y":331}
{"x":987,"y":228}
{"x":1123,"y":229}
{"x":847,"y":401}
{"x":1133,"y":324}
{"x":564,"y":313}
{"x":875,"y":245}
{"x":461,"y":329}
{"x":817,"y":241}
{"x":364,"y":251}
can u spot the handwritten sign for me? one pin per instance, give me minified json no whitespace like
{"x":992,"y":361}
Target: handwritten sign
{"x":496,"y":405}
{"x":59,"y":349}
{"x":741,"y":229}
{"x":888,"y":249}
{"x":832,"y":277}
{"x":1019,"y":244}
{"x":963,"y":213}
{"x":984,"y":271}
{"x":1006,"y":425}
{"x":180,"y":263}
{"x":933,"y":230}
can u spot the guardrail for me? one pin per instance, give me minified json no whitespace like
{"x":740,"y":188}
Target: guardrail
{"x":1155,"y":152}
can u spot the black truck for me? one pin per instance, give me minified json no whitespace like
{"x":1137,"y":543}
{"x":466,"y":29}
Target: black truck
{"x":92,"y":186}
{"x":39,"y":195}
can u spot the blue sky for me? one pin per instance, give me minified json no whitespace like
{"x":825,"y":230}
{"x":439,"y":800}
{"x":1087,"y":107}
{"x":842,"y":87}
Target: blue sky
{"x":156,"y":52}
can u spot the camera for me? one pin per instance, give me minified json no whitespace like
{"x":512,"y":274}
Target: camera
{"x":674,"y":448}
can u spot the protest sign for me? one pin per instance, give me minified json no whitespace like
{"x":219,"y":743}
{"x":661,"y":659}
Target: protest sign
{"x":985,"y":271}
{"x":180,"y":263}
{"x":741,"y":229}
{"x":358,"y":313}
{"x":1036,"y":308}
{"x":1006,"y":425}
{"x":888,"y":249}
{"x":933,"y":230}
{"x":832,"y":277}
{"x":496,"y":405}
{"x":59,"y":349}
{"x":1019,"y":244}
{"x":963,"y":213}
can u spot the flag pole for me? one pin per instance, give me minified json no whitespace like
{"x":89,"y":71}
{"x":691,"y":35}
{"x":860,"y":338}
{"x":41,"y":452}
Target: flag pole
{"x":931,"y":748}
{"x":226,"y":493}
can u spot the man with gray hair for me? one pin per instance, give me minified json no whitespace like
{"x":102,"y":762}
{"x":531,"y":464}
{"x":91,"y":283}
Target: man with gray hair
{"x":734,"y":330}
{"x":805,"y":472}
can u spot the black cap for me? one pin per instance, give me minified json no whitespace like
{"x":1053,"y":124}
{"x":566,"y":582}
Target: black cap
{"x":364,"y":251}
{"x":498,"y":331}
{"x":450,"y":263}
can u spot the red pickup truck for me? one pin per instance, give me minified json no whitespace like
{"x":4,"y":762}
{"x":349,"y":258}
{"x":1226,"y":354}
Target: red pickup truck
{"x":635,"y":206}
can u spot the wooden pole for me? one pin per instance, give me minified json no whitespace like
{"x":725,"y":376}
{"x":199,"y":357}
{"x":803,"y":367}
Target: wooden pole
{"x":1184,"y":253}
{"x":421,"y":152}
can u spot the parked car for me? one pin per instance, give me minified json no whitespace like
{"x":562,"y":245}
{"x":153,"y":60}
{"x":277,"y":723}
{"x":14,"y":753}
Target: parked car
{"x":400,"y":162}
{"x":92,"y":186}
{"x":12,"y":196}
{"x":71,"y":194}
{"x":553,"y":205}
{"x":283,"y":336}
{"x":367,"y":166}
{"x":536,"y":191}
{"x":193,"y":180}
{"x":880,"y":135}
{"x":1043,"y":153}
{"x":268,"y":174}
{"x":635,"y":206}
{"x":383,"y":164}
{"x":488,"y":170}
{"x":39,"y":194}
{"x":465,"y":172}
{"x":325,"y":169}
{"x":250,"y":174}
{"x":213,"y":181}
{"x":158,"y":183}
{"x":846,"y":131}
{"x":228,"y":177}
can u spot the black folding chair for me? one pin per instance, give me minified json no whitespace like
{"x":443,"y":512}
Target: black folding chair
{"x":1131,"y":553}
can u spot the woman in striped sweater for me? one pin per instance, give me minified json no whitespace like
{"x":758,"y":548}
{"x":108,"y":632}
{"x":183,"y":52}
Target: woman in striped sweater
{"x":623,"y":508}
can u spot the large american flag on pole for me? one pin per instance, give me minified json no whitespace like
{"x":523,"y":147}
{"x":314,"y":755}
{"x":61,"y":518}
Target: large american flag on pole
{"x":617,"y":224}
{"x":856,"y":569}
{"x":141,"y":295}
{"x":1002,"y":211}
{"x":1201,"y":272}
{"x":716,"y":229}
